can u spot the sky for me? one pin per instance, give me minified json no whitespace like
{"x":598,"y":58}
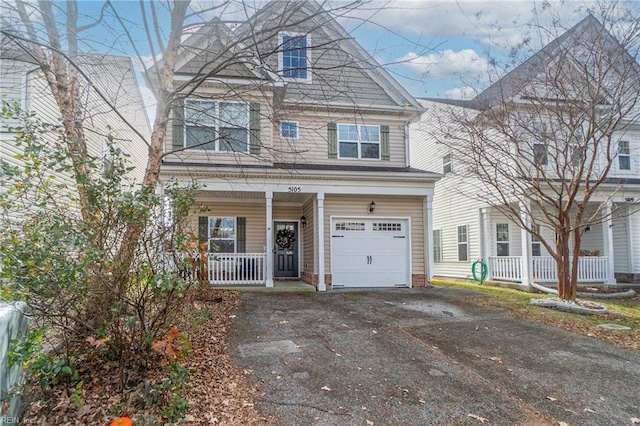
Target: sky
{"x":445,"y":49}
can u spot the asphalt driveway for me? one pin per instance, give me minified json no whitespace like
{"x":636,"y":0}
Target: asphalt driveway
{"x":422,"y":357}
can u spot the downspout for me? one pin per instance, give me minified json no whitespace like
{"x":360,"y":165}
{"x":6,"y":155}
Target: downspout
{"x":406,"y":145}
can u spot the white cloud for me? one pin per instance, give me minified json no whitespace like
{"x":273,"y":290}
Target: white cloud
{"x":447,"y":63}
{"x":465,"y":92}
{"x":493,"y":23}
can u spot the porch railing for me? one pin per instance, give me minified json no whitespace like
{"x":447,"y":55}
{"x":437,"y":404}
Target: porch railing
{"x":591,"y":269}
{"x":236,"y":268}
{"x":505,"y":268}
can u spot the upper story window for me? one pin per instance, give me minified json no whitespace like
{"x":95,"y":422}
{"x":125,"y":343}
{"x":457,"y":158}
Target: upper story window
{"x":540,"y":154}
{"x":294,"y":57}
{"x":447,"y":164}
{"x":216,"y":126}
{"x":624,"y":155}
{"x":359,"y":141}
{"x":289,"y":129}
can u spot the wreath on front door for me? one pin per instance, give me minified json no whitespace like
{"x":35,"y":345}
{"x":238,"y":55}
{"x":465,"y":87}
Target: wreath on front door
{"x":285,"y":238}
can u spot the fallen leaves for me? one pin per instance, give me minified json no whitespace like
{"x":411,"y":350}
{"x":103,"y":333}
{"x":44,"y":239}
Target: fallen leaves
{"x":475,"y":416}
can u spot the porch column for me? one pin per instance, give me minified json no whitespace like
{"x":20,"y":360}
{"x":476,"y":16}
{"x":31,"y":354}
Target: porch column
{"x":428,"y":237}
{"x":486,"y":243}
{"x":320,"y":217}
{"x":269,"y":222}
{"x":527,"y":261}
{"x":607,"y":231}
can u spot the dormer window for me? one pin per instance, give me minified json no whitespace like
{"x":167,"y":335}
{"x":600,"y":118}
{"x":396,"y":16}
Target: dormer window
{"x":294,"y":57}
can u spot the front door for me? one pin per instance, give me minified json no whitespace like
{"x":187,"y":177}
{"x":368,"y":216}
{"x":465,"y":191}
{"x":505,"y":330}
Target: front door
{"x":286,"y":240}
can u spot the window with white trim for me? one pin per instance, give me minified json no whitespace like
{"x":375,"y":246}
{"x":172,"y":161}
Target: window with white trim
{"x":359,"y":141}
{"x":536,"y":245}
{"x":463,"y":243}
{"x":289,"y":129}
{"x":502,"y":239}
{"x":222,"y":234}
{"x":447,"y":164}
{"x":216,"y":126}
{"x":349,"y":226}
{"x":394,"y":227}
{"x":624,"y":155}
{"x":294,"y":57}
{"x":540,"y":154}
{"x":437,"y":246}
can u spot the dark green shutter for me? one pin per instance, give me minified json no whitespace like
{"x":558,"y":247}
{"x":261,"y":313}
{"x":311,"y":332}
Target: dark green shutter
{"x":254,"y":128}
{"x":332,"y":140}
{"x":241,"y":235}
{"x":178,"y":124}
{"x":203,"y":229}
{"x":384,"y":142}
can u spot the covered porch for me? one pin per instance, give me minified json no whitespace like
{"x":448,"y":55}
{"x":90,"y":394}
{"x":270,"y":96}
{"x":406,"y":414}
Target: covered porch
{"x":256,"y":232}
{"x":591,"y":269}
{"x":512,"y":254}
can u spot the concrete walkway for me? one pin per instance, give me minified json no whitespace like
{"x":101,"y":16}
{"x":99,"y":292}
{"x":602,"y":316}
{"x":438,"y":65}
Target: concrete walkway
{"x":423,"y":357}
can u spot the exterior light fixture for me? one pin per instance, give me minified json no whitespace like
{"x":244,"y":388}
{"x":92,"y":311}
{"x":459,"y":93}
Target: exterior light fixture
{"x":372,"y":207}
{"x":303,"y":221}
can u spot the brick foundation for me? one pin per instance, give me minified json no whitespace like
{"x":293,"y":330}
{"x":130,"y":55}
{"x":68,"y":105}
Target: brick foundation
{"x":418,"y":280}
{"x":312,"y":279}
{"x":627,"y":278}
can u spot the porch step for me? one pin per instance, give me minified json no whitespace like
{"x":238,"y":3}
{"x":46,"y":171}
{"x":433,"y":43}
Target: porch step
{"x":278,"y":286}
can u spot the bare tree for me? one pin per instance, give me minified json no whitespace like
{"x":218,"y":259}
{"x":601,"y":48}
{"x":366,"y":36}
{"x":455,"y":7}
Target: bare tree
{"x":541,"y":143}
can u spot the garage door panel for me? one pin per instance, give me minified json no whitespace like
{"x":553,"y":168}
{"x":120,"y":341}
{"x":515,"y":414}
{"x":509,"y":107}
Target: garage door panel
{"x":370,"y":253}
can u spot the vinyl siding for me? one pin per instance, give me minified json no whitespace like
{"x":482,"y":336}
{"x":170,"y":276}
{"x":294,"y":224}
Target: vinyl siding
{"x":451,"y":210}
{"x":634,"y":231}
{"x":311,"y":146}
{"x":13,"y":75}
{"x":309,"y":254}
{"x":356,"y":206}
{"x":336,"y":76}
{"x":267,"y":154}
{"x":254,"y":212}
{"x":621,"y":241}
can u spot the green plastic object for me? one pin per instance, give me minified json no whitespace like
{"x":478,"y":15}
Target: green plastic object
{"x":484,"y":271}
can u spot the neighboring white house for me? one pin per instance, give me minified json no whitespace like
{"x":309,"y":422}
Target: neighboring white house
{"x":466,"y":228}
{"x":302,"y":145}
{"x":112,"y":105}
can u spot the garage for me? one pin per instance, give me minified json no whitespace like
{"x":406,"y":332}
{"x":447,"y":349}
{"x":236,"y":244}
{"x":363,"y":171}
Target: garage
{"x":370,"y":252}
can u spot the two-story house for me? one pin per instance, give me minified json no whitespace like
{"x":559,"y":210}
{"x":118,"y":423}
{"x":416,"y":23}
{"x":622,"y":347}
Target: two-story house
{"x":300,"y":140}
{"x":112,"y":108}
{"x":552,"y":133}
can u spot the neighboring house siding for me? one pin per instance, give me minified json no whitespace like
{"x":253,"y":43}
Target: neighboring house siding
{"x":634,"y":227}
{"x":13,"y":77}
{"x":622,"y":241}
{"x":450,"y":211}
{"x":400,"y":207}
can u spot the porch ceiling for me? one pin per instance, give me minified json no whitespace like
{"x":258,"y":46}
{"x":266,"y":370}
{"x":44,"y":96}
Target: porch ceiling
{"x":278,"y":197}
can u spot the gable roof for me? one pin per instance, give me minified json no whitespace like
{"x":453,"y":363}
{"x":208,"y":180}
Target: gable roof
{"x":215,"y":30}
{"x":589,"y":29}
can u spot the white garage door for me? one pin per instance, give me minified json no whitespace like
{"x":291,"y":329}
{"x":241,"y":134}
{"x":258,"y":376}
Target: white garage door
{"x":369,"y":252}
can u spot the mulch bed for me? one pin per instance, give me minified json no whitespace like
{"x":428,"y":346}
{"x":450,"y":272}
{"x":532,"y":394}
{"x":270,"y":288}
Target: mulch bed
{"x":218,"y":392}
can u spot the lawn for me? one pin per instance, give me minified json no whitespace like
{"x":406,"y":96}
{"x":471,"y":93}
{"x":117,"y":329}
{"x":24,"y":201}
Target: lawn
{"x":622,"y":312}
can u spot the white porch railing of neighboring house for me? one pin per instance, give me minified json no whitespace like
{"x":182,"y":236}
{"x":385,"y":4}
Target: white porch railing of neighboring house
{"x":591,"y":269}
{"x":505,"y":268}
{"x":237,"y":268}
{"x":224,"y":268}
